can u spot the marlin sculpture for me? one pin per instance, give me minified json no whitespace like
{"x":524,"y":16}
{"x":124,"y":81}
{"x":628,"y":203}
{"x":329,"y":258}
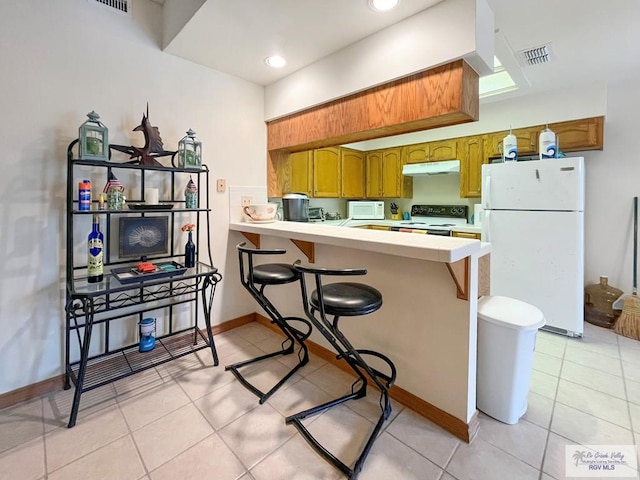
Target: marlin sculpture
{"x":153,"y":147}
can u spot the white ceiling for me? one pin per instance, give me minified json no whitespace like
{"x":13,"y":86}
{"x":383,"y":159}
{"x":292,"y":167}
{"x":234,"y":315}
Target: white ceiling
{"x":590,"y":39}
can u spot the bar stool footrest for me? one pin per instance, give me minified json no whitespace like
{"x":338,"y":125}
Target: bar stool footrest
{"x":300,"y":334}
{"x":389,"y":379}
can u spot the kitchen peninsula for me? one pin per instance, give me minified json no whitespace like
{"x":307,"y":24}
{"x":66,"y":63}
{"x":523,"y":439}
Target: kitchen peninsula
{"x":427,"y":324}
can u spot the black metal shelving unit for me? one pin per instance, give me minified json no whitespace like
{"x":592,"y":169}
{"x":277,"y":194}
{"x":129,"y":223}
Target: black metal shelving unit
{"x":100,"y":304}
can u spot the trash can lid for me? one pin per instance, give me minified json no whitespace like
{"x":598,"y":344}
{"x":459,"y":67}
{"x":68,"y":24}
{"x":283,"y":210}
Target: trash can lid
{"x":510,"y":313}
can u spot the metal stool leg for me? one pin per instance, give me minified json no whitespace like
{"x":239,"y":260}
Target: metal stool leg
{"x":317,"y":310}
{"x":255,"y":280}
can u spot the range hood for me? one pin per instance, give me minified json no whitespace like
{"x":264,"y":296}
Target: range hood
{"x":432,"y":168}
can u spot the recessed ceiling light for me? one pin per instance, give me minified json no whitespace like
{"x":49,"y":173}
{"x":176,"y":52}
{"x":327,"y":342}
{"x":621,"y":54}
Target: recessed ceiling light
{"x":275,"y":61}
{"x":383,"y":5}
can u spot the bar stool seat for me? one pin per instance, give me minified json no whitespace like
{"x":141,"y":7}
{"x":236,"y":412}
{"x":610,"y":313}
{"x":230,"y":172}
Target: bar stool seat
{"x":348,"y":299}
{"x":255,"y":278}
{"x":345,"y":299}
{"x":274,"y":274}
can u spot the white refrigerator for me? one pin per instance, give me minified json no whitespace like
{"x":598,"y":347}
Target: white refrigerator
{"x":534,"y":220}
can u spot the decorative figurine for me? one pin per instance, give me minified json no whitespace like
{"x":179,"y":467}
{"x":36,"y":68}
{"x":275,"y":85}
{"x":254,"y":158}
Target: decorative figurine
{"x":191,"y":194}
{"x":153,"y":147}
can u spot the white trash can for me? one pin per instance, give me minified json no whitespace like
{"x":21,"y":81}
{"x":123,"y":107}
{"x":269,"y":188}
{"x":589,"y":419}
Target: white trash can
{"x":506,"y":340}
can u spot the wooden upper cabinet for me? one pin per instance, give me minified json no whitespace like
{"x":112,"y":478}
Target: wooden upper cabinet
{"x":353,"y":168}
{"x":326,"y":172}
{"x":442,"y":150}
{"x":527,"y":140}
{"x":493,"y":144}
{"x":430,"y":152}
{"x":391,"y":172}
{"x":373,"y":174}
{"x":300,"y":173}
{"x":471,"y":152}
{"x":577,"y":135}
{"x":416,"y":153}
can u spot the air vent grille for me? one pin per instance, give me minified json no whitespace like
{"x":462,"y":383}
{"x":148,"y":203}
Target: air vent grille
{"x":123,"y":6}
{"x":536,"y":55}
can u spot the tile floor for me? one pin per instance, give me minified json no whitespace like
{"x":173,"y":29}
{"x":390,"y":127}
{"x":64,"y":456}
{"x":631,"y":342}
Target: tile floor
{"x":190,"y":420}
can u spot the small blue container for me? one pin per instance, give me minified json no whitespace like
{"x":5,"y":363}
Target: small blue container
{"x":147,"y":327}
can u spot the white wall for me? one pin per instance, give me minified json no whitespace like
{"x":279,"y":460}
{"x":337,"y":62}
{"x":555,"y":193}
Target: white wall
{"x":60,"y":60}
{"x":408,"y":47}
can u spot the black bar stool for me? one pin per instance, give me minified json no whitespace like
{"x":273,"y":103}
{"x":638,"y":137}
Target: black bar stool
{"x":344,"y":299}
{"x":255,"y":278}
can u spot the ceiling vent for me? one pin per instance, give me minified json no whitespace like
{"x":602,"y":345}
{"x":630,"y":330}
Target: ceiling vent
{"x":122,"y":6}
{"x":535,"y":55}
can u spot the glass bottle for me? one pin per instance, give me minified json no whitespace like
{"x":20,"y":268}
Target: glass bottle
{"x":190,"y":253}
{"x":95,"y":247}
{"x":598,"y":303}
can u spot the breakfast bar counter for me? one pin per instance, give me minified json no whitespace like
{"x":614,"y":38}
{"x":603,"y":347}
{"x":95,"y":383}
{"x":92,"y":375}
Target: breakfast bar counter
{"x":427,"y":324}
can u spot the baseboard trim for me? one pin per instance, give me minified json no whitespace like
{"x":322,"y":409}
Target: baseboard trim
{"x":57,"y":383}
{"x":464,"y":431}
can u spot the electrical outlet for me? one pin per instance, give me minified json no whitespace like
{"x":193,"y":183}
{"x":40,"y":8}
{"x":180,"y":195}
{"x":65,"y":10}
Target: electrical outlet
{"x":221,"y":185}
{"x":246,"y":200}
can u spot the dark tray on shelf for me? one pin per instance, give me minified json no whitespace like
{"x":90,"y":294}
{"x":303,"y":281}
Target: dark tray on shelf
{"x":164,"y":269}
{"x":146,"y":206}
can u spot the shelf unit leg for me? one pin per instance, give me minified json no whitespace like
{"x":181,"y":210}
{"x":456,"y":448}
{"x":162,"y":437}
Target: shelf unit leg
{"x":87,"y":306}
{"x":210,"y":282}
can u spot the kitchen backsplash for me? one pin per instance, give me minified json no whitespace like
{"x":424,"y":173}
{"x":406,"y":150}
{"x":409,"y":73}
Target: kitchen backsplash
{"x":427,"y":190}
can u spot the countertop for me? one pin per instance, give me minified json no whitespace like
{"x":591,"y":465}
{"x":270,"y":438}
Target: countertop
{"x":425,"y":247}
{"x":468,"y":228}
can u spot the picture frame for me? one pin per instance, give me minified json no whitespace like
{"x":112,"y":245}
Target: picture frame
{"x":143,"y":236}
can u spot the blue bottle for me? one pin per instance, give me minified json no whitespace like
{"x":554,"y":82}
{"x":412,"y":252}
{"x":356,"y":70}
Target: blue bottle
{"x":95,"y":260}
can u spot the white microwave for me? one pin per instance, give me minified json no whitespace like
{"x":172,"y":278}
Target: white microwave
{"x":365,"y":210}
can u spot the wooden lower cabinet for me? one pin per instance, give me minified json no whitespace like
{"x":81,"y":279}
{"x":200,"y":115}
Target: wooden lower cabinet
{"x":474,"y":236}
{"x":471,"y":153}
{"x":352,"y":173}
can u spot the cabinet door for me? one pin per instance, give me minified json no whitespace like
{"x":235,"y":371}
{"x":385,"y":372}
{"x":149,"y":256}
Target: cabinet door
{"x":352,"y":166}
{"x":391,"y":172}
{"x":326,"y":172}
{"x":442,"y":150}
{"x":373,"y":161}
{"x":527,"y":139}
{"x":471,"y":152}
{"x":493,"y":144}
{"x":577,"y":135}
{"x":415,"y":153}
{"x":301,"y":172}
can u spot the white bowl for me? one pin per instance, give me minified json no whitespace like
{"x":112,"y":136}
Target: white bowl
{"x":261,"y":212}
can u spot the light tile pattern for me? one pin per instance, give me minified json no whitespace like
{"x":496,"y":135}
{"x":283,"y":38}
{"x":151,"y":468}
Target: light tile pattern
{"x":190,"y":420}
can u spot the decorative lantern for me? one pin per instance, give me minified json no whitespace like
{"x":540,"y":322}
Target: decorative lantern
{"x":190,"y":151}
{"x":94,"y":139}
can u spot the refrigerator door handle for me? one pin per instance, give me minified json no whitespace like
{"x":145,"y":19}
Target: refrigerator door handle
{"x":486,"y":223}
{"x":486,"y":193}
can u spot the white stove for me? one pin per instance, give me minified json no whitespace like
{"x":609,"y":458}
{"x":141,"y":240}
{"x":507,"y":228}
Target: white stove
{"x":433,"y":219}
